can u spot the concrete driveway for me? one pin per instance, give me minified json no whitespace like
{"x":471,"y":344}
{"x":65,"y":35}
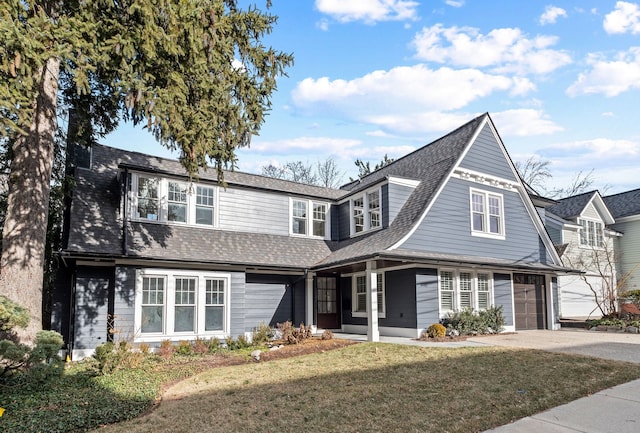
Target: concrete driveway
{"x":607,"y":345}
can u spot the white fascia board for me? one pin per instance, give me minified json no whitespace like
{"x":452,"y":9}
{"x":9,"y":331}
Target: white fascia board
{"x":402,"y":181}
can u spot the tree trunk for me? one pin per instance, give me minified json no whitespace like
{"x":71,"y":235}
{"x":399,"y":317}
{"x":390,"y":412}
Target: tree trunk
{"x":25,"y":227}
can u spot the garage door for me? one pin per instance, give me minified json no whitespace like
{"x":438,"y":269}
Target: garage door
{"x":529,"y":301}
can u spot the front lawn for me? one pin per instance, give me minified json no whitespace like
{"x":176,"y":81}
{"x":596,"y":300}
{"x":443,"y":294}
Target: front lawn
{"x":380,"y":388}
{"x":359,"y":388}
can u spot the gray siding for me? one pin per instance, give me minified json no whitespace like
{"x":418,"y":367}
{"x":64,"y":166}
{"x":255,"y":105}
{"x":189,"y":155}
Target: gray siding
{"x":486,"y":156}
{"x":272,"y":299}
{"x":344,"y":225}
{"x":93,"y":287}
{"x":398,"y":195}
{"x":385,"y":205}
{"x":503,"y":295}
{"x":345,"y":301}
{"x":427,"y":302}
{"x":253,"y":211}
{"x":447,"y":227}
{"x":555,"y":233}
{"x":238,"y":297}
{"x":124,"y":301}
{"x":400,"y":299}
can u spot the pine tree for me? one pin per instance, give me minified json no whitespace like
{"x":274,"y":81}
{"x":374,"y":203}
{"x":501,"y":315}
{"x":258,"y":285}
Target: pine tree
{"x":194,"y":72}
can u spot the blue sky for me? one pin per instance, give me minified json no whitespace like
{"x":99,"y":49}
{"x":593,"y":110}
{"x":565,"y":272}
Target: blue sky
{"x":561,"y":80}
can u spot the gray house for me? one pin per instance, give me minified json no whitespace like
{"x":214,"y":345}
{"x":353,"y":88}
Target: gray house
{"x":150,"y":256}
{"x":625,"y":208}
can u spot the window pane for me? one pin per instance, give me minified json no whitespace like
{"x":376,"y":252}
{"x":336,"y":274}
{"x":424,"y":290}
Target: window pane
{"x":204,"y":196}
{"x":591,"y":233}
{"x":214,"y":318}
{"x":148,"y":198}
{"x":177,"y":196}
{"x":483,"y":300}
{"x":319,"y":219}
{"x":494,"y":224}
{"x":362,"y":302}
{"x":446,"y":290}
{"x":177,"y":212}
{"x":358,"y":214}
{"x":299,"y":220}
{"x":204,"y":215}
{"x":583,"y":232}
{"x":599,"y":235}
{"x":446,"y":300}
{"x":184,"y":319}
{"x":152,"y":319}
{"x":465,"y":290}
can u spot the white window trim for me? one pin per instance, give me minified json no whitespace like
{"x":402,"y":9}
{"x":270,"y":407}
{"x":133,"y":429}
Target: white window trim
{"x":381,"y":314}
{"x":310,"y":203}
{"x":169,"y":303}
{"x":595,"y":237}
{"x":485,"y":233}
{"x":364,"y":195}
{"x":163,"y":202}
{"x":456,"y":289}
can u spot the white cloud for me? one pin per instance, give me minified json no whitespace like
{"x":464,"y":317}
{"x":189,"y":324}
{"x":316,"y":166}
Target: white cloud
{"x":369,"y":11}
{"x":551,"y":15}
{"x":608,"y":114}
{"x":504,"y":50}
{"x":609,"y":77}
{"x":419,"y":123}
{"x":624,"y":18}
{"x":402,"y":90}
{"x":307,"y":145}
{"x":597,"y":149}
{"x":524,"y":122}
{"x":323,"y":24}
{"x":455,"y":3}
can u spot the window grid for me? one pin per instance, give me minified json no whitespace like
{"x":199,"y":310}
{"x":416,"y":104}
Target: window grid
{"x":483,"y":291}
{"x":152,"y":310}
{"x":360,"y":301}
{"x":214,"y":304}
{"x":148,"y":198}
{"x":487,"y":213}
{"x":373,"y":199}
{"x":463,"y":289}
{"x":319,"y":219}
{"x":358,"y":214}
{"x":205,"y":198}
{"x":591,"y":233}
{"x":177,"y":198}
{"x":464,"y":283}
{"x":185,"y":304}
{"x":299,"y":217}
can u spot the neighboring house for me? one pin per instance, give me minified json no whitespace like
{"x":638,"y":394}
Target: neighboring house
{"x":151,"y":256}
{"x":625,"y":208}
{"x":579,"y":227}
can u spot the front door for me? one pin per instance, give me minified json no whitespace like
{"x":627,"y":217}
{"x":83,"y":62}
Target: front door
{"x":529,"y":301}
{"x":327,"y":304}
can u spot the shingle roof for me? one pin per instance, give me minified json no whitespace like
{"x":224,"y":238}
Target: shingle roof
{"x":96,"y":226}
{"x":431,"y":164}
{"x":624,"y":204}
{"x":571,"y":207}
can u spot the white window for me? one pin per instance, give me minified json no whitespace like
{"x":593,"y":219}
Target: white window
{"x":148,"y":198}
{"x":359,"y":293}
{"x":462,"y":289}
{"x":170,"y":200}
{"x":366,"y":212}
{"x":314,"y":223}
{"x":487,"y":214}
{"x":205,"y":198}
{"x":179,"y":304}
{"x":177,"y":198}
{"x":591,"y":233}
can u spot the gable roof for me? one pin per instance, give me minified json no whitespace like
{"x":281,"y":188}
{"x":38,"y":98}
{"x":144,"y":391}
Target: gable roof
{"x":624,"y":204}
{"x":570,"y":208}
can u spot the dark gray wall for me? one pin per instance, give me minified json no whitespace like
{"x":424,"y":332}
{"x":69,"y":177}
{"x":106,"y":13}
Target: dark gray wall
{"x":344,"y":225}
{"x":273,"y":299}
{"x":427,"y":301}
{"x":447,"y":227}
{"x":94,"y":288}
{"x":486,"y":156}
{"x":503,"y":295}
{"x":400,"y":299}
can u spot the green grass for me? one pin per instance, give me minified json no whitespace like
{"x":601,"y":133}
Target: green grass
{"x":360,"y":388}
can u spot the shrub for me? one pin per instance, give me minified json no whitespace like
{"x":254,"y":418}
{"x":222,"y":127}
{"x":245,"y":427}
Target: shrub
{"x":166,"y":349}
{"x":184,"y":348}
{"x":436,"y":330}
{"x":293,"y":335}
{"x":41,"y":361}
{"x":327,"y":334}
{"x":12,"y":316}
{"x":469,"y":322}
{"x":262,"y":334}
{"x":242,"y":342}
{"x":200,"y":346}
{"x":633,"y":295}
{"x":213,"y":345}
{"x":112,"y":357}
{"x":230,"y":343}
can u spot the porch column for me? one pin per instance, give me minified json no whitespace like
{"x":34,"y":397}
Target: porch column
{"x":308,"y":314}
{"x":373,"y":333}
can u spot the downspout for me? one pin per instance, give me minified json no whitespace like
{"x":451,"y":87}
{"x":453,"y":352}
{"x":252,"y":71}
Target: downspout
{"x":125,"y":211}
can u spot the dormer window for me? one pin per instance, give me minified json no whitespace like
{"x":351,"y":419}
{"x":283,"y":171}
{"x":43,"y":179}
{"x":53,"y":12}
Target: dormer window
{"x":366,"y":212}
{"x":591,"y":233}
{"x":160,"y":199}
{"x":307,"y":223}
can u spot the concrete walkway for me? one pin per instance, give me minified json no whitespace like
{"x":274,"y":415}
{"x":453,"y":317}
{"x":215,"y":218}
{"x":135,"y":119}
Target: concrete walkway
{"x":615,"y":409}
